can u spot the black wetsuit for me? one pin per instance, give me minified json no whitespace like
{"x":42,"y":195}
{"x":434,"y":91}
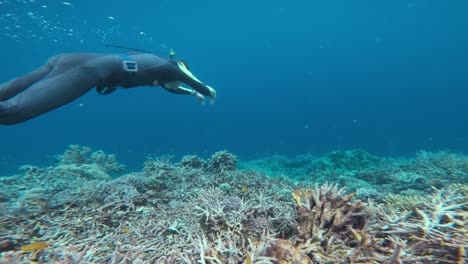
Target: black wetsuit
{"x":66,"y":77}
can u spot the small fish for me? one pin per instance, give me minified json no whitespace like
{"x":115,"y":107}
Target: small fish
{"x":248,"y":259}
{"x":40,"y":245}
{"x":67,"y":3}
{"x":111,"y":17}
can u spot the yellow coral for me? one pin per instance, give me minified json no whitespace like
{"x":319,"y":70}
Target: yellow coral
{"x":298,"y":195}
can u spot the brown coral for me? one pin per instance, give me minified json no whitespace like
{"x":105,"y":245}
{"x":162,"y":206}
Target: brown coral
{"x":285,"y":253}
{"x":326,"y":218}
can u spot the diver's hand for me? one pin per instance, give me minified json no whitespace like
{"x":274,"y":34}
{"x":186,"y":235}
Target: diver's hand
{"x":212,"y":94}
{"x":199,"y":97}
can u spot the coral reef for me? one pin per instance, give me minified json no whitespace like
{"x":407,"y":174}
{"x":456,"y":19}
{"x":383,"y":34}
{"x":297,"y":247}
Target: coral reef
{"x":173,"y":212}
{"x":405,"y":202}
{"x":327,"y":220}
{"x":358,"y":169}
{"x":222,"y":161}
{"x":435,"y":231}
{"x":81,"y":162}
{"x":197,"y":211}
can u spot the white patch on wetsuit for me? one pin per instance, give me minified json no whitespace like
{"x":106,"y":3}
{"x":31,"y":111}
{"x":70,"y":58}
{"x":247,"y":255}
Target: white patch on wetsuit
{"x":172,"y":85}
{"x":186,"y":71}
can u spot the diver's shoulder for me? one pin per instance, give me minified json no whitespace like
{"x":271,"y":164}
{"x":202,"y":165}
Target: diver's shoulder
{"x":146,"y":55}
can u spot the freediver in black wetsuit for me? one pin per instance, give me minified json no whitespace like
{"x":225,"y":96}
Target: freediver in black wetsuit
{"x":66,"y":77}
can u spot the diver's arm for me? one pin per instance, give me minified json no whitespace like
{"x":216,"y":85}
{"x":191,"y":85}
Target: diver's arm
{"x":176,"y":88}
{"x":189,"y":79}
{"x":201,"y":89}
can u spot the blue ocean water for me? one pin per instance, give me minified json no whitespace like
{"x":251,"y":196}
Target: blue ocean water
{"x":390,"y":77}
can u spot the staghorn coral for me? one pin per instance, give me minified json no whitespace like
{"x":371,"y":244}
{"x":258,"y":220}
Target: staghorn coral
{"x":159,"y":215}
{"x":216,"y":211}
{"x":405,"y":202}
{"x":461,"y":188}
{"x":153,"y":210}
{"x":442,"y":164}
{"x":158,"y":165}
{"x":435,"y":232}
{"x":368,"y":193}
{"x":359,"y":168}
{"x":209,"y":206}
{"x":69,"y":255}
{"x":222,"y":161}
{"x":325,"y":217}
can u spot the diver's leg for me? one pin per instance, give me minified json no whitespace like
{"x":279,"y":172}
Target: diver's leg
{"x":64,"y":62}
{"x":51,"y":93}
{"x":5,"y":108}
{"x":54,"y":66}
{"x":16,"y":86}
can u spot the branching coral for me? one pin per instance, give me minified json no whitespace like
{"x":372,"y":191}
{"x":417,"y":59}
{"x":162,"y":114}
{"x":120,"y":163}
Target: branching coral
{"x":443,"y":164}
{"x":222,"y":161}
{"x":75,"y":154}
{"x":192,"y":161}
{"x":436,"y":231}
{"x":209,"y":205}
{"x":358,"y":169}
{"x":107,"y":162}
{"x":461,"y":188}
{"x":325,"y":217}
{"x":79,"y":161}
{"x":190,"y":212}
{"x":406,"y":202}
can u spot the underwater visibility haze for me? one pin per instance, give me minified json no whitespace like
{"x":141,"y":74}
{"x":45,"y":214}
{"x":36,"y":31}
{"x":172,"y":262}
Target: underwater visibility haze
{"x":344,"y":122}
{"x":292,"y":77}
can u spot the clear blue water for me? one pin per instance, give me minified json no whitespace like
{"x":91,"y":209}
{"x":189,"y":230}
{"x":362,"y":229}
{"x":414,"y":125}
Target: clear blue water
{"x":390,"y":77}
